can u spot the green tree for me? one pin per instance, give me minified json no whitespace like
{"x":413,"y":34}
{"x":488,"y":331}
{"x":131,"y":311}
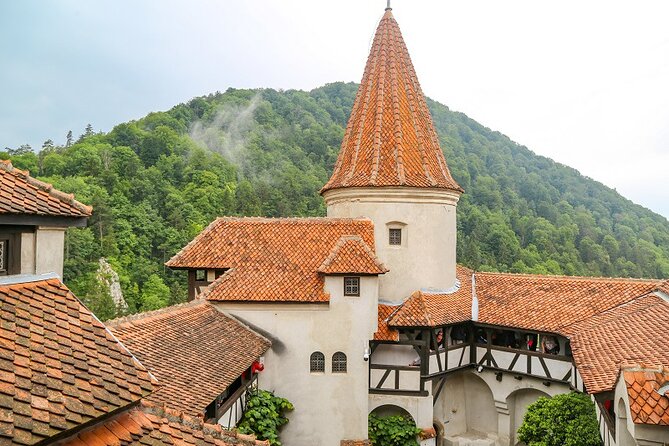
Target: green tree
{"x":155,"y":294}
{"x":563,"y":420}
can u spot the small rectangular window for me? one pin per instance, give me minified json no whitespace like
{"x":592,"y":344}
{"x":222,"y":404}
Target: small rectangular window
{"x":351,"y":286}
{"x":395,"y":236}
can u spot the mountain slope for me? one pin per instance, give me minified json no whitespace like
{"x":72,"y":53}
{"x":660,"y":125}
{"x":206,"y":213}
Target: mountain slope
{"x":158,"y":181}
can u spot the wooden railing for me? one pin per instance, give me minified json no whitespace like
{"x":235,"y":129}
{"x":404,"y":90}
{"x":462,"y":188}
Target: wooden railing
{"x":436,"y":364}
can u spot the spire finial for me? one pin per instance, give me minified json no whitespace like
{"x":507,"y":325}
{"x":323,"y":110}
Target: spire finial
{"x":388,"y":8}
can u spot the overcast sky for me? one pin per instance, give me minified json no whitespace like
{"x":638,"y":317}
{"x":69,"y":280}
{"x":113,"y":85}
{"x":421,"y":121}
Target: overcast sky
{"x":583,"y":82}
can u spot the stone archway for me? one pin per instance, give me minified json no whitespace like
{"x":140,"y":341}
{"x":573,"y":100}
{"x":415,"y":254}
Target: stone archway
{"x":387,"y":410}
{"x":439,"y":432}
{"x":624,"y":437}
{"x":466,"y":408}
{"x":517,"y":402}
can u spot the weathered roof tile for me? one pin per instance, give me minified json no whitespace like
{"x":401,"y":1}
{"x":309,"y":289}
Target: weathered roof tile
{"x":178,"y":343}
{"x":22,"y":194}
{"x":44,"y":397}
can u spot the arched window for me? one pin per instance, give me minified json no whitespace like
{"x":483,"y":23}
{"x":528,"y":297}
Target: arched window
{"x":339,"y":363}
{"x":317,"y":362}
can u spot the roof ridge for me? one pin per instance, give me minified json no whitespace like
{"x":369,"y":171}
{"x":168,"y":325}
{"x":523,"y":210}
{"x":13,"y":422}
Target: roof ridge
{"x":173,"y":415}
{"x":563,"y":276}
{"x":7,"y":166}
{"x":153,"y":314}
{"x":293,"y":219}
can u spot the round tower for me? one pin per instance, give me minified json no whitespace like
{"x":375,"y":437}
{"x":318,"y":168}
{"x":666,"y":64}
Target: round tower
{"x":391,"y":169}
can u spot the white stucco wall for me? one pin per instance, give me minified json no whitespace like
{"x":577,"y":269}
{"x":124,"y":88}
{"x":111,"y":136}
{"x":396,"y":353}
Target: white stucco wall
{"x":426,"y":258}
{"x":329,"y":407}
{"x":49,"y":250}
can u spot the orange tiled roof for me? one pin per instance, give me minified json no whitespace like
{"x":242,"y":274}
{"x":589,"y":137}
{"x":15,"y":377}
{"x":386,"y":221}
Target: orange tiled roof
{"x":425,"y":309}
{"x":158,"y":426}
{"x":648,"y":404}
{"x":609,"y":321}
{"x":632,"y":332}
{"x":549,"y":303}
{"x":194,"y":350}
{"x":59,"y":366}
{"x":351,"y":255}
{"x":22,"y":194}
{"x":390,"y":138}
{"x":384,"y":332}
{"x":270,"y":260}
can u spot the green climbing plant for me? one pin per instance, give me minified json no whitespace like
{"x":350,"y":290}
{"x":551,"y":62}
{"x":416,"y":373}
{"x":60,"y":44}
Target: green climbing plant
{"x":394,"y":430}
{"x":264,"y":415}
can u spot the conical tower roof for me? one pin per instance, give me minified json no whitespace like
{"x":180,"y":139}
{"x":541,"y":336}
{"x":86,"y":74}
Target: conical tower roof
{"x":390,"y":138}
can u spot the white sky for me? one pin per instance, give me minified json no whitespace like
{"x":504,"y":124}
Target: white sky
{"x":583,"y":82}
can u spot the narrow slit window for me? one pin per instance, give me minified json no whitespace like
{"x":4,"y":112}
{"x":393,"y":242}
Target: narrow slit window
{"x":3,"y":257}
{"x":395,"y":236}
{"x":317,"y":362}
{"x":339,"y":363}
{"x":351,"y":286}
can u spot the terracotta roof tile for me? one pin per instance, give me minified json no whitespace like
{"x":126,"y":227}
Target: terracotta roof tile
{"x":549,"y":303}
{"x":390,"y":139}
{"x":633,"y":332}
{"x":351,"y":255}
{"x":22,"y":194}
{"x":194,"y":350}
{"x":155,"y":425}
{"x":648,"y":394}
{"x":609,"y":321}
{"x":384,"y":332}
{"x":60,"y":366}
{"x":430,"y":309}
{"x":269,"y":260}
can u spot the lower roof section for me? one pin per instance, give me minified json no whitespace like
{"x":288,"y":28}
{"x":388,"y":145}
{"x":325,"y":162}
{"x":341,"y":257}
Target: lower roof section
{"x":194,"y":350}
{"x":60,"y":368}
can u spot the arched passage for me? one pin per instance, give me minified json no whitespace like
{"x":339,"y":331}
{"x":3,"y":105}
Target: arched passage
{"x":467,"y":407}
{"x":518,"y":402}
{"x":387,"y":410}
{"x":623,"y":434}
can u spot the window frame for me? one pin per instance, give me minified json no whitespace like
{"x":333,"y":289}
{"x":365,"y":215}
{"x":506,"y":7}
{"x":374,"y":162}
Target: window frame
{"x":357,"y":286}
{"x":317,"y":362}
{"x":339,"y":363}
{"x":392,"y":240}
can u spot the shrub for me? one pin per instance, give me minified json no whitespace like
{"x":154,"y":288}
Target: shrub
{"x":563,"y":420}
{"x":395,"y":430}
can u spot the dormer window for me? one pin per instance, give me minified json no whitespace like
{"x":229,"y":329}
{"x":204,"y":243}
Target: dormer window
{"x":351,"y":286}
{"x":395,"y":236}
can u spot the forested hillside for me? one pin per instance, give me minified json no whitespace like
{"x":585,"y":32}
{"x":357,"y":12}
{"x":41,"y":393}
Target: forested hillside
{"x":157,"y":182}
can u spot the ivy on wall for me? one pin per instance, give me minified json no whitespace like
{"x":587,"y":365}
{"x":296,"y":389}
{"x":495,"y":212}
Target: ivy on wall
{"x":264,"y":415}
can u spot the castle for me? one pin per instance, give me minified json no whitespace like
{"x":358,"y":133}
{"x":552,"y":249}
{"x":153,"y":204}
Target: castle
{"x":368,"y":311}
{"x":363,"y":311}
